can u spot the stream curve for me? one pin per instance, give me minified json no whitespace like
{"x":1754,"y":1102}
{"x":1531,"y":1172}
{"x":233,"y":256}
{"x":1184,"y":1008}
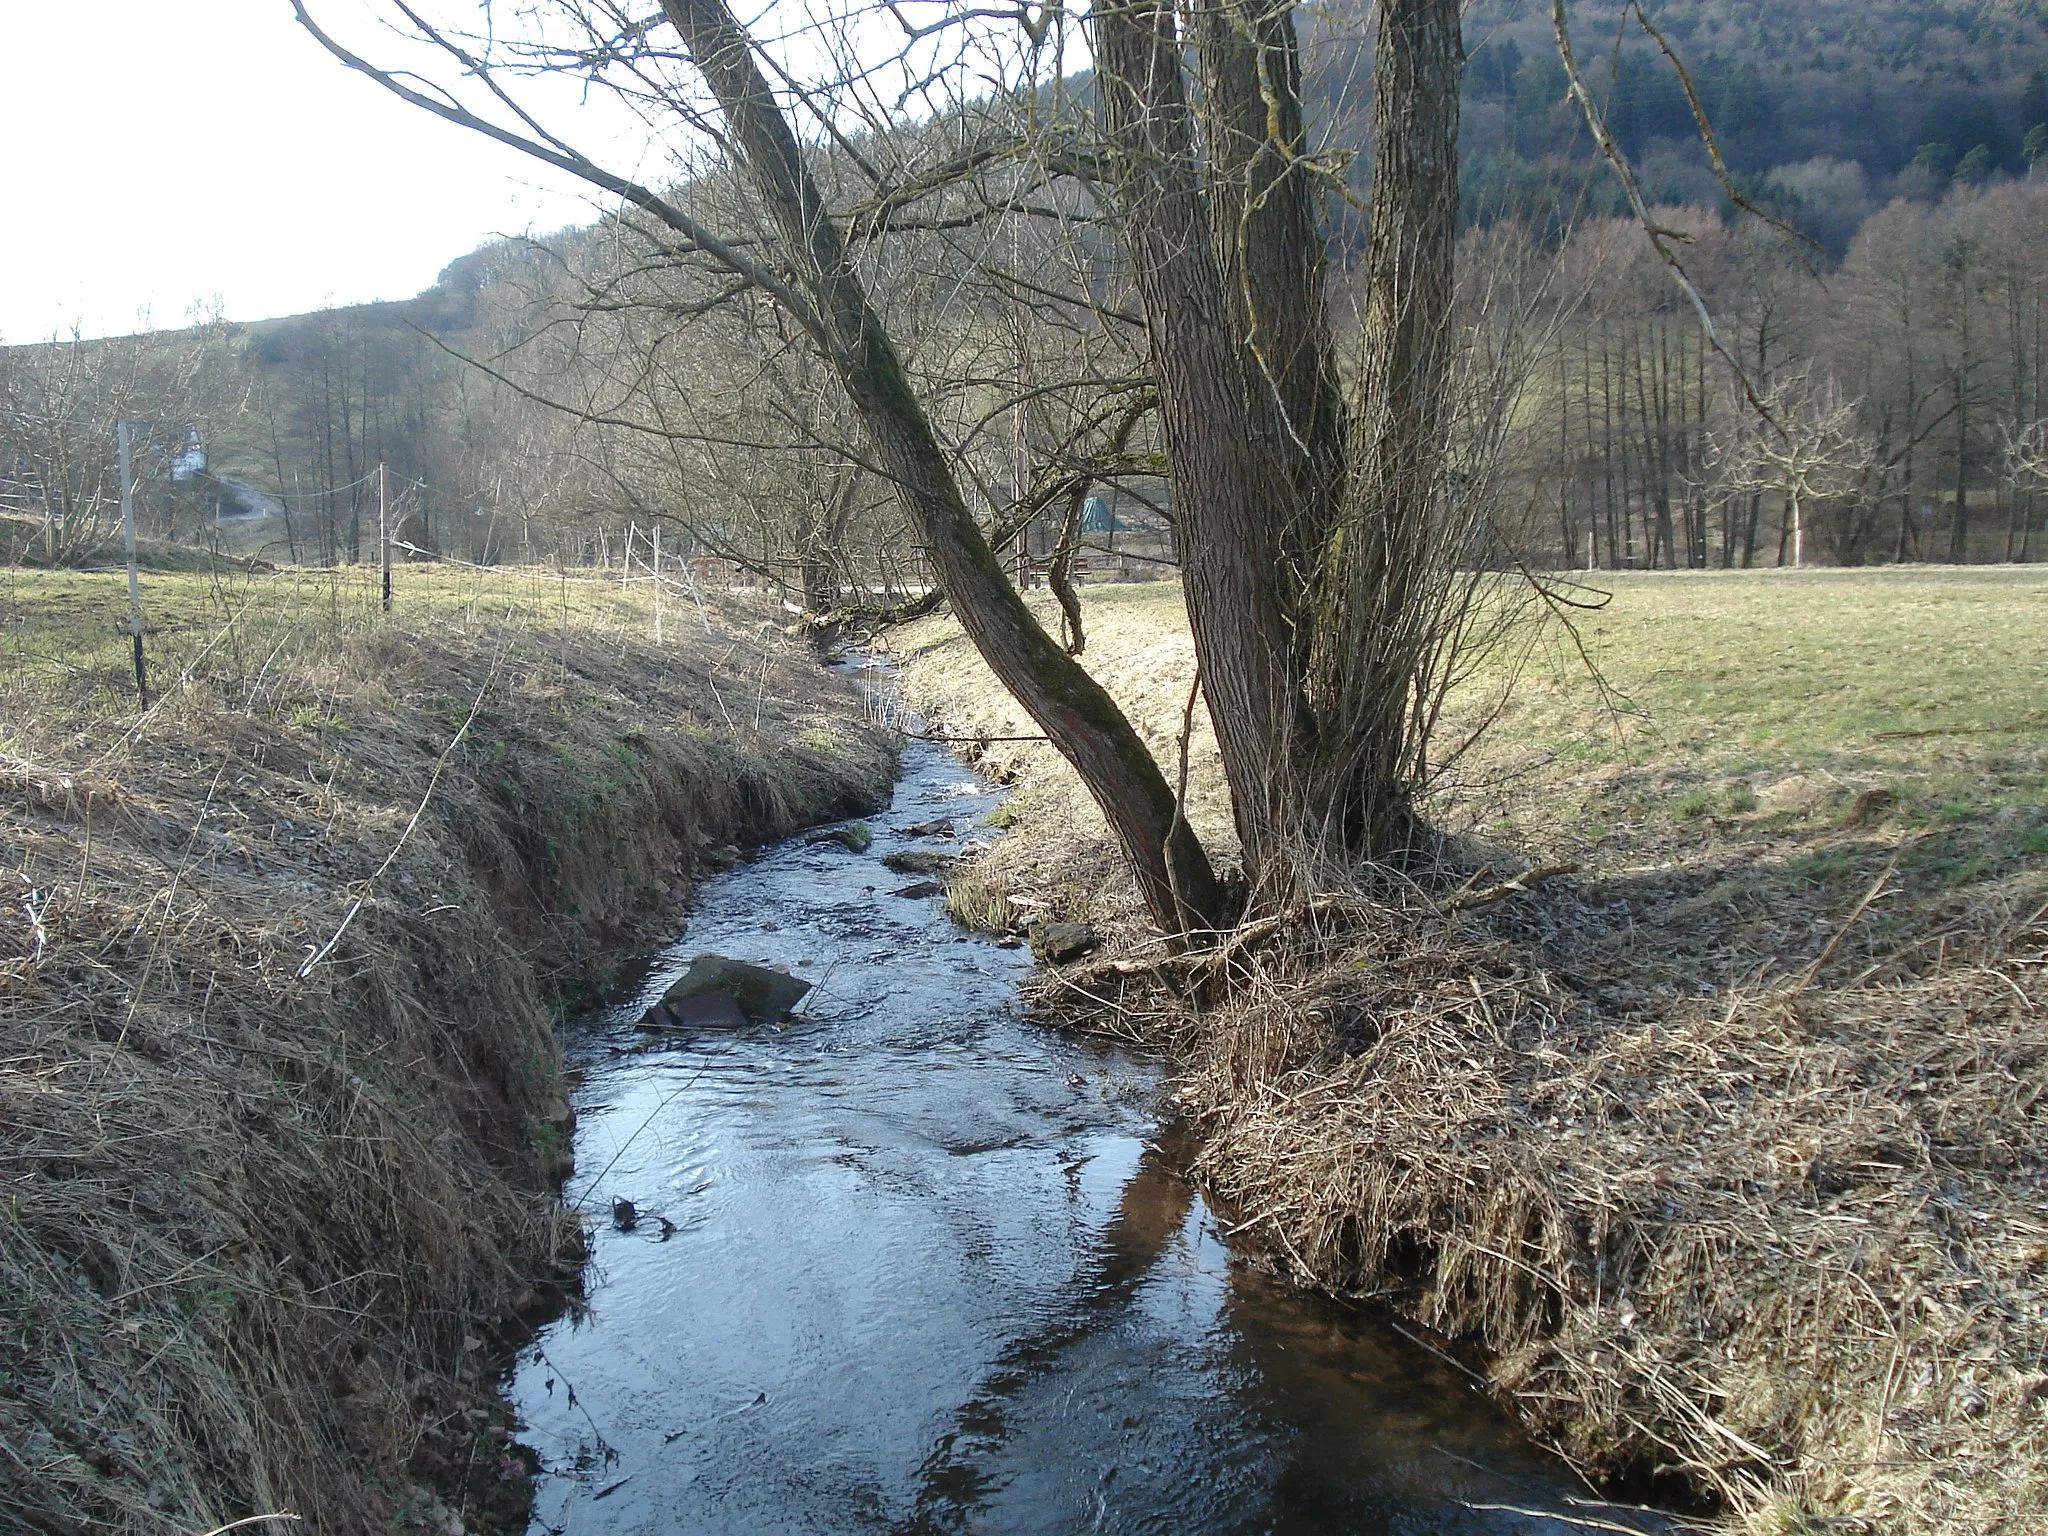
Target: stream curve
{"x":915,"y":1264}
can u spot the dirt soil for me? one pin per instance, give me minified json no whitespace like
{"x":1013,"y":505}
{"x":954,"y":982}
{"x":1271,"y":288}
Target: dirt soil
{"x":282,"y":1113}
{"x":1723,"y":1158}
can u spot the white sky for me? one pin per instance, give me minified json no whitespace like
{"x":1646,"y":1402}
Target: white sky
{"x":155,"y":154}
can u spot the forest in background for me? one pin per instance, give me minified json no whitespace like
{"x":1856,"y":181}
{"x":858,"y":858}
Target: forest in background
{"x":543,"y":394}
{"x":1825,"y":109}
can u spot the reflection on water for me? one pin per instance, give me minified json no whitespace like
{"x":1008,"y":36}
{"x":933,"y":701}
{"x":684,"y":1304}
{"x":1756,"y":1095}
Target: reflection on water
{"x":914,"y":1265}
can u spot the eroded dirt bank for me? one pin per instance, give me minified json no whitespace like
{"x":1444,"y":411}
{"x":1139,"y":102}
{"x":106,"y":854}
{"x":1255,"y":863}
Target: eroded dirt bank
{"x":1724,"y":1159}
{"x":281,"y":1105}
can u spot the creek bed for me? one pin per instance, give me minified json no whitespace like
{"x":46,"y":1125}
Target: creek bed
{"x":915,"y":1264}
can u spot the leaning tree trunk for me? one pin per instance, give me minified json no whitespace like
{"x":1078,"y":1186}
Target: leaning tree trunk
{"x":1379,"y":610}
{"x":1172,"y":871}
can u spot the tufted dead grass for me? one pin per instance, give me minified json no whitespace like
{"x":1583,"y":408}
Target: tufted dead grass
{"x":282,"y":1115}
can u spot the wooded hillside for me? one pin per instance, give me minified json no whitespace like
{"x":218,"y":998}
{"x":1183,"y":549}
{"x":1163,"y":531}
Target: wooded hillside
{"x":1826,"y":108}
{"x":1909,"y":340}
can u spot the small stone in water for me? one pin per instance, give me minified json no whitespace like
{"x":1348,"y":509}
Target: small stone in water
{"x":919,"y":891}
{"x":854,"y":837}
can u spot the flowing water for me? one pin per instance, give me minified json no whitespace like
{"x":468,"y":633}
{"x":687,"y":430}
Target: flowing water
{"x":914,"y":1264}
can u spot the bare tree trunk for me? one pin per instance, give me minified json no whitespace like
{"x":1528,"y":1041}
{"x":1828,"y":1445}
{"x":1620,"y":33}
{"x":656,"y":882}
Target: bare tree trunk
{"x":1230,"y":505}
{"x":1059,"y":573}
{"x":1172,"y":870}
{"x":1656,"y":467}
{"x":1272,"y":253}
{"x":1959,"y":529}
{"x":1372,"y":611}
{"x":1059,"y":570}
{"x":1564,"y":458}
{"x":1909,"y":535}
{"x":817,"y":538}
{"x":1607,"y":453}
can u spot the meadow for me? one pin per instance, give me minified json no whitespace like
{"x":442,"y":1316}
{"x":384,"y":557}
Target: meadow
{"x":1753,"y":702}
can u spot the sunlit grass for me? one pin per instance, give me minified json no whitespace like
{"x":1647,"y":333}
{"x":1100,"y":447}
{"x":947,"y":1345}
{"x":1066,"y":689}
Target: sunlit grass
{"x":1676,"y":707}
{"x":66,"y":655}
{"x":1916,"y":696}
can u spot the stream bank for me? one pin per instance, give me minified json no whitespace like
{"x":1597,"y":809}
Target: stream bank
{"x":915,"y":1263}
{"x":1724,"y":1161}
{"x":282,"y":1110}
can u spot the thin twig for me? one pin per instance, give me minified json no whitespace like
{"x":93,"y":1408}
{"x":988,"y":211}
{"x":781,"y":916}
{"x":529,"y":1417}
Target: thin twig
{"x":440,"y":763}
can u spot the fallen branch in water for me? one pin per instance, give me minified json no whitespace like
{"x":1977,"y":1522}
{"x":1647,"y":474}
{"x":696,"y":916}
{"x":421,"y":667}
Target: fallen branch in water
{"x":872,"y":616}
{"x":979,"y":741}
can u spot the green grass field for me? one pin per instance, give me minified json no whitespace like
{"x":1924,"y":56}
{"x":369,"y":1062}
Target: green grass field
{"x":1906,"y":708}
{"x":1935,"y":674}
{"x":65,"y":652}
{"x":1676,"y":707}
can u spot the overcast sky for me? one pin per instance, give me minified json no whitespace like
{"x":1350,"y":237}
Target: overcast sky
{"x":157,"y":154}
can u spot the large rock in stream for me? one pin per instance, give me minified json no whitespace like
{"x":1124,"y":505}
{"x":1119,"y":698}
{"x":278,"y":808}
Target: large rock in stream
{"x":853,"y":836}
{"x":1061,"y":942}
{"x":718,"y":992}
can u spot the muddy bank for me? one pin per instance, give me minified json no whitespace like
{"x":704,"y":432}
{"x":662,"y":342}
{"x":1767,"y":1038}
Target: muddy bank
{"x":281,"y":1102}
{"x":1730,"y":1179}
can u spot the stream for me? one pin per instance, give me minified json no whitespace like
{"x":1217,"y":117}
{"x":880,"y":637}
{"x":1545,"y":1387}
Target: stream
{"x":915,"y":1264}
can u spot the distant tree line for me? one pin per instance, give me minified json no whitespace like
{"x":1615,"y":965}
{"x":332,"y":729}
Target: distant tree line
{"x":541,"y":394}
{"x":1826,"y":109}
{"x":1901,"y":389}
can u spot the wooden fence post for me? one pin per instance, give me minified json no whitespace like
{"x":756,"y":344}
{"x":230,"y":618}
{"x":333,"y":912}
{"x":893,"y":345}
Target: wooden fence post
{"x":384,"y":526}
{"x":121,"y":431}
{"x":657,"y":583}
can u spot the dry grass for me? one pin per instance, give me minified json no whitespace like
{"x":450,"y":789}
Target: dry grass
{"x":1139,"y":648}
{"x":1729,"y":1177}
{"x":261,"y":1223}
{"x":1787,"y":1243}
